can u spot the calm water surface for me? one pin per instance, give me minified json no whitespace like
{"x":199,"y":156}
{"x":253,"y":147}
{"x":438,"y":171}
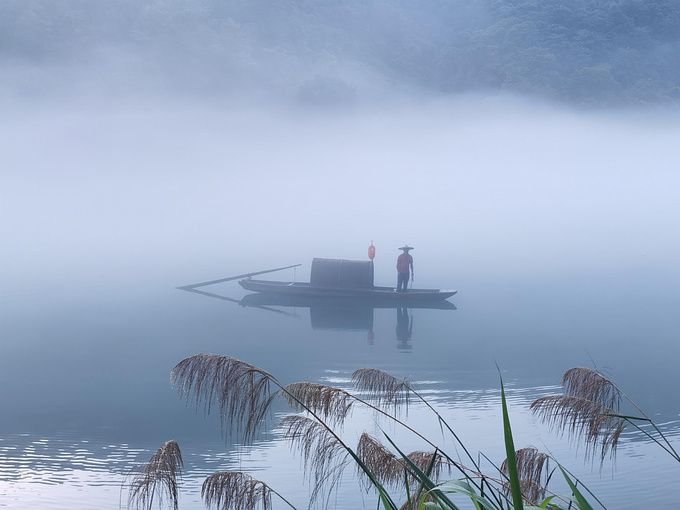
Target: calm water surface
{"x":87,"y":393}
{"x":558,"y":229}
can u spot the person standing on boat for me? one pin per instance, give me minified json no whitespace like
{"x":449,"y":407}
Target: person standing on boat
{"x":404,"y":268}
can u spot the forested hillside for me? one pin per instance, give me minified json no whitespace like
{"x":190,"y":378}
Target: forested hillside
{"x":581,"y":51}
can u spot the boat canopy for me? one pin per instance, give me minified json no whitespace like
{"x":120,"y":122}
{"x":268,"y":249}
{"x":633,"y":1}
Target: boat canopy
{"x":338,"y":273}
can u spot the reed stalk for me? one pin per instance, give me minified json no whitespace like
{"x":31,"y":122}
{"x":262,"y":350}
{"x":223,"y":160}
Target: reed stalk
{"x":243,"y":395}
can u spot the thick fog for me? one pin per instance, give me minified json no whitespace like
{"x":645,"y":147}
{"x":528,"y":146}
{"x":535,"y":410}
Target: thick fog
{"x":489,"y":186}
{"x":192,"y":138}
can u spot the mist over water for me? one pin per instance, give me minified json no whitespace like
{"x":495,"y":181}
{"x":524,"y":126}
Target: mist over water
{"x":500,"y":197}
{"x":482,"y":185}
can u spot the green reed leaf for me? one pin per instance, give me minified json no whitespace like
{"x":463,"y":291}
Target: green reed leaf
{"x":513,"y":475}
{"x":580,"y":499}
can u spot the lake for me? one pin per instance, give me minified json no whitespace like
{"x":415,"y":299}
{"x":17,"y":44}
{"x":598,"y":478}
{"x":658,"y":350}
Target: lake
{"x":564,"y":254}
{"x":88,"y":390}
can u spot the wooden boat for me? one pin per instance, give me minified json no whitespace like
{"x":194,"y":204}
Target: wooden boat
{"x":348,"y":279}
{"x":385,"y":294}
{"x":345,"y":280}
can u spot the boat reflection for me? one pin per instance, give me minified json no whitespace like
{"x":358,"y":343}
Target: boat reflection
{"x":349,"y":314}
{"x":404,"y":329}
{"x":336,"y":313}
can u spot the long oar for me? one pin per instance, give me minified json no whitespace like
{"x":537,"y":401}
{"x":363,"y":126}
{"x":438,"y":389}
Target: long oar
{"x":245,"y":275}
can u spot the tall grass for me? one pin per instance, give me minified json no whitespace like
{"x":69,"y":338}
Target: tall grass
{"x":243,"y":395}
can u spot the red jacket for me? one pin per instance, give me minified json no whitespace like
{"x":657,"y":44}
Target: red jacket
{"x":404,"y":261}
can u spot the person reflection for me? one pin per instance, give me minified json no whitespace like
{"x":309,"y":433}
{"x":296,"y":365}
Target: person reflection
{"x":404,"y":330}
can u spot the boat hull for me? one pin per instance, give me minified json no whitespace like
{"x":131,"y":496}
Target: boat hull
{"x":258,"y":299}
{"x":386,"y":294}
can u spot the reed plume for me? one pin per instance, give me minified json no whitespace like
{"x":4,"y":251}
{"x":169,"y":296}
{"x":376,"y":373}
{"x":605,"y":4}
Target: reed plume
{"x":388,"y":468}
{"x":158,"y":478}
{"x":232,"y":490}
{"x":425,"y":459}
{"x":332,"y":404}
{"x":591,"y":385}
{"x":240,"y":390}
{"x":382,"y":386}
{"x":533,"y":468}
{"x":588,"y":409}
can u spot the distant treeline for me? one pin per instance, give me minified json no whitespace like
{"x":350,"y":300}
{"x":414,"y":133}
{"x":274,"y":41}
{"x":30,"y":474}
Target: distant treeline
{"x":582,"y":51}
